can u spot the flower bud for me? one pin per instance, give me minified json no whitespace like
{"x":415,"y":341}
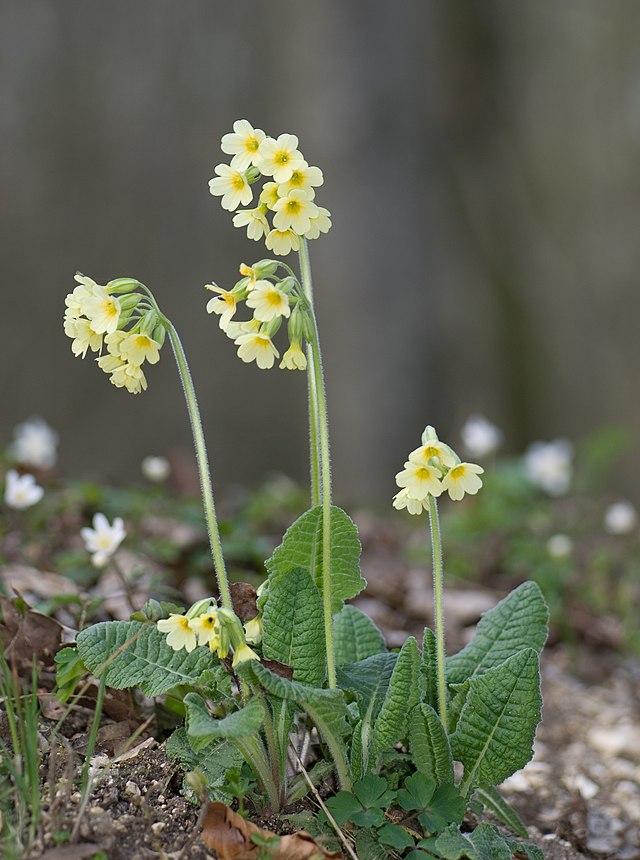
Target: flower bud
{"x":231,"y":632}
{"x":122,"y":285}
{"x":201,"y":607}
{"x":252,"y":175}
{"x":159,"y":333}
{"x":264,"y":268}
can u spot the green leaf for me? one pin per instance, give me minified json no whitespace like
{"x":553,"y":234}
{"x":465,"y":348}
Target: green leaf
{"x":292,"y":621}
{"x":428,"y":668}
{"x":459,"y":693}
{"x":495,"y":732}
{"x":343,"y":806}
{"x":327,"y":709}
{"x":429,"y":745}
{"x":69,"y":670}
{"x":373,"y":790}
{"x":402,"y":696}
{"x":302,"y":547}
{"x":447,"y":805}
{"x":213,"y":761}
{"x":202,"y":728}
{"x":495,"y":802}
{"x":214,"y":683}
{"x":519,"y":621}
{"x":395,"y":836}
{"x":368,"y":847}
{"x":417,"y":792}
{"x":524,"y":849}
{"x":355,"y":636}
{"x":132,"y":654}
{"x":485,"y":843}
{"x":368,"y":680}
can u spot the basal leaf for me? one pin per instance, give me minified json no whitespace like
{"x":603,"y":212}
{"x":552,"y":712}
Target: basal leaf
{"x":517,"y":622}
{"x":429,"y":745}
{"x":524,"y":849}
{"x":292,"y":624}
{"x":495,"y":802}
{"x":428,"y":668}
{"x":495,"y":732}
{"x":395,"y":836}
{"x":402,"y":696}
{"x":213,"y":761}
{"x":355,"y":636}
{"x":302,"y":547}
{"x":202,"y":728}
{"x":132,"y":654}
{"x":485,"y":843}
{"x":368,"y":847}
{"x":368,"y":680}
{"x":326,"y":708}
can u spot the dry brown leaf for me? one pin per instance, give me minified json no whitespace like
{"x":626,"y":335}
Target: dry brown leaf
{"x":243,"y":597}
{"x":229,"y":835}
{"x":28,"y":634}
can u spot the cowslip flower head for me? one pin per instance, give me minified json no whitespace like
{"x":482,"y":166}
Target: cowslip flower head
{"x":232,"y":185}
{"x":480,"y":437}
{"x":180,"y":633}
{"x":548,"y":465}
{"x":242,"y":654}
{"x":282,"y":242}
{"x":243,"y":143}
{"x":254,"y":220}
{"x":257,"y":347}
{"x":279,"y":158}
{"x":420,"y":480}
{"x":461,"y":479}
{"x":294,"y":358}
{"x":103,"y":539}
{"x":294,"y":212}
{"x":21,"y":491}
{"x":268,"y":301}
{"x":403,"y":500}
{"x":34,"y":444}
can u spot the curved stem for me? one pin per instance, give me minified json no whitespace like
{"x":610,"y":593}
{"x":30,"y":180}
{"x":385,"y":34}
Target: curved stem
{"x":325,"y":467}
{"x":203,"y":465}
{"x":438,"y":610}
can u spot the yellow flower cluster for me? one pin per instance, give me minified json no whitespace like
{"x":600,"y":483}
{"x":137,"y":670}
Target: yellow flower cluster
{"x":272,"y":300}
{"x":432,"y":469}
{"x":117,"y":318}
{"x":289,"y":194}
{"x":218,"y":628}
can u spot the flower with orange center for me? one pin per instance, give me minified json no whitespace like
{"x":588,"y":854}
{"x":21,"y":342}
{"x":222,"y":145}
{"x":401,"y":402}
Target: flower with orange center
{"x":232,"y":186}
{"x":103,"y":312}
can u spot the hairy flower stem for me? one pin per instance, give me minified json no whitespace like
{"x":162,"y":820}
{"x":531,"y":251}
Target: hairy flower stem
{"x":322,"y":424}
{"x":438,"y":610}
{"x":204,"y":472}
{"x":314,"y":438}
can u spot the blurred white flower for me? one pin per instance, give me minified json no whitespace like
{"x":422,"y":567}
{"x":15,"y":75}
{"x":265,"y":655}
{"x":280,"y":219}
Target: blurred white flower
{"x":156,"y":469}
{"x":103,"y":539}
{"x":559,"y":546}
{"x":548,"y":465}
{"x":21,"y":491}
{"x":34,"y":444}
{"x":480,"y":437}
{"x":620,"y":518}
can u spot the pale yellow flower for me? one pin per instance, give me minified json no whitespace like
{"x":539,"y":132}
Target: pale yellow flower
{"x":433,"y":450}
{"x":294,"y":212}
{"x":257,"y":347}
{"x":268,"y":302}
{"x":86,"y":289}
{"x":232,"y":186}
{"x":303,"y":178}
{"x":236,"y":329}
{"x":320,"y":224}
{"x":103,"y":313}
{"x":137,"y":348}
{"x":131,"y":377}
{"x":253,"y":630}
{"x":207,"y":629}
{"x":404,"y":500}
{"x":462,"y":479}
{"x":180,"y":633}
{"x":420,"y":480}
{"x":110,"y":363}
{"x":83,"y":336}
{"x":281,"y":242}
{"x":242,"y":654}
{"x":254,"y":220}
{"x":294,"y":358}
{"x":270,"y":195}
{"x":224,"y":304}
{"x":243,"y":144}
{"x":279,"y":158}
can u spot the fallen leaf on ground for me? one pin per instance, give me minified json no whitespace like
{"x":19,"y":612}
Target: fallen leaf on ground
{"x":243,"y":597}
{"x":230,"y":836}
{"x":27,"y":634}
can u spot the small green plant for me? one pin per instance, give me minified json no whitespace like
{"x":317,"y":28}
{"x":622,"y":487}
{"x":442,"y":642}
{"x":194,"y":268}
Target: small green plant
{"x":296,"y":659}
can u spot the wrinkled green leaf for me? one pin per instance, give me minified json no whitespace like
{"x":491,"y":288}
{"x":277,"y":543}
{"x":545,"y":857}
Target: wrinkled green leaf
{"x":519,"y":621}
{"x":495,"y":732}
{"x":429,"y":745}
{"x":495,"y":802}
{"x":292,"y":624}
{"x":428,"y":668}
{"x":213,"y":761}
{"x":368,"y":847}
{"x":202,"y":728}
{"x":485,"y":843}
{"x":132,"y":654}
{"x":368,"y":680}
{"x":302,"y":547}
{"x":402,"y":696}
{"x":355,"y":636}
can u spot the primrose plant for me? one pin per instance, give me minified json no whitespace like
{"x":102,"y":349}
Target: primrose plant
{"x":291,"y":684}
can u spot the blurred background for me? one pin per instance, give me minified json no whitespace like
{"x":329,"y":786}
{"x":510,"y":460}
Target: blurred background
{"x":481,"y":166}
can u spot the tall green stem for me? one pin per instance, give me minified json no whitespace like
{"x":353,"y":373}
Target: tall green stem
{"x":438,"y":585}
{"x":203,"y":464}
{"x":325,"y":464}
{"x":314,"y":438}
